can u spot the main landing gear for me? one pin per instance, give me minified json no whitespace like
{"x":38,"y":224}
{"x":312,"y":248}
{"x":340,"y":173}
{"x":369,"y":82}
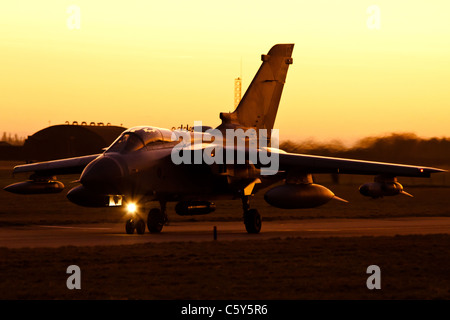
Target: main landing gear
{"x":155,"y":221}
{"x":252,"y":218}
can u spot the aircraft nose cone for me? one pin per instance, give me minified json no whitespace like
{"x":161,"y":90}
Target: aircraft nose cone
{"x":103,"y":174}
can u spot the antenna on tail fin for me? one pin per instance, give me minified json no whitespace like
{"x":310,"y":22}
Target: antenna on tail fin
{"x":259,"y":105}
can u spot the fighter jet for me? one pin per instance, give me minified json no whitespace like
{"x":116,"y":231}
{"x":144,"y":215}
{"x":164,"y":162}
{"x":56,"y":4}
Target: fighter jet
{"x":198,"y":165}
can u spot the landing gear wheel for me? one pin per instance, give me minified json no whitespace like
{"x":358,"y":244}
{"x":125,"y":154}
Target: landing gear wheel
{"x":129,"y":226}
{"x":140,"y":226}
{"x":252,"y":221}
{"x":155,"y":220}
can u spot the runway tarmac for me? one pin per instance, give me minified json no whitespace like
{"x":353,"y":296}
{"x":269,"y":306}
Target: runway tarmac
{"x":114,"y":234}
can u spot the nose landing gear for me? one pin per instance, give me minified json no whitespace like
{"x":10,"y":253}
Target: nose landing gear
{"x":155,"y":221}
{"x":135,"y":224}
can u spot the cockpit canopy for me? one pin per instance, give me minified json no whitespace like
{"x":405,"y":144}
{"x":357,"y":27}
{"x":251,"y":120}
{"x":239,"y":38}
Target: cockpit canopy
{"x":139,"y":137}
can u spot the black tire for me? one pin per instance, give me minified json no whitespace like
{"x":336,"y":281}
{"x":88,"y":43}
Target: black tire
{"x":155,"y":220}
{"x":129,"y":226}
{"x":252,"y":221}
{"x":140,"y":226}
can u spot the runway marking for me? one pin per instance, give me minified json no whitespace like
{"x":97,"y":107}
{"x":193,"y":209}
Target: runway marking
{"x":114,"y":234}
{"x":77,"y":228}
{"x":320,"y":230}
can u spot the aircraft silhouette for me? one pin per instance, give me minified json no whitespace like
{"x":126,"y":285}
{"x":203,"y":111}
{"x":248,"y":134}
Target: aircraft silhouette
{"x":143,"y":165}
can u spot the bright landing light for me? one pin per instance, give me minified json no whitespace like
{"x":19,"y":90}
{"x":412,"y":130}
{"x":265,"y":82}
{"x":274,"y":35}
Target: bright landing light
{"x":131,"y":208}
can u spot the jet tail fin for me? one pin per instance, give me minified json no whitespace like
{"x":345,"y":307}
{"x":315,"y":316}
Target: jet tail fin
{"x":259,"y":105}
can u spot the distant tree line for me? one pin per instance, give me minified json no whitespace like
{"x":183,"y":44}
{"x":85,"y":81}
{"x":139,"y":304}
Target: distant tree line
{"x":11,"y":139}
{"x":405,"y":148}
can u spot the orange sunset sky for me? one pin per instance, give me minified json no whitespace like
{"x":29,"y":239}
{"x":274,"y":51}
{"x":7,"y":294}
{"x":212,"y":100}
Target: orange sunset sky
{"x":164,"y":63}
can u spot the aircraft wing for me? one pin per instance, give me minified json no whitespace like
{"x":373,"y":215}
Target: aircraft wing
{"x":319,"y":164}
{"x":57,"y":167}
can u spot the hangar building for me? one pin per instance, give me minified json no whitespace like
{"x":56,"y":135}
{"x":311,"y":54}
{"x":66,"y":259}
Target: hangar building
{"x":70,"y":140}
